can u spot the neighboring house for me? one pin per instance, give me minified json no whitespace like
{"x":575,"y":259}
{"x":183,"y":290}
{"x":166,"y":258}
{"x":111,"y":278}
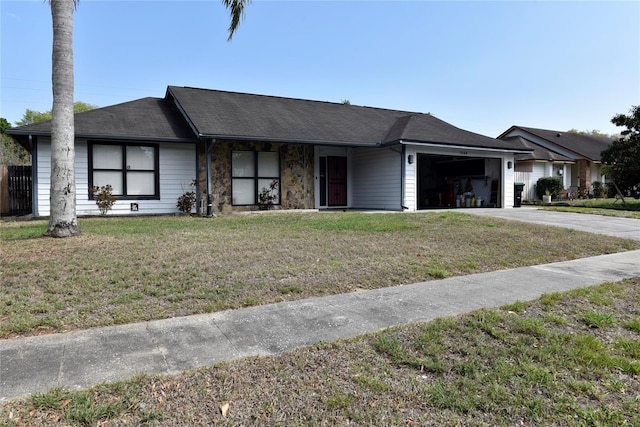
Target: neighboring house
{"x":314,"y":155}
{"x":572,"y":157}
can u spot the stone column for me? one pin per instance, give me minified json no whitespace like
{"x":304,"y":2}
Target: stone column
{"x":584,"y":174}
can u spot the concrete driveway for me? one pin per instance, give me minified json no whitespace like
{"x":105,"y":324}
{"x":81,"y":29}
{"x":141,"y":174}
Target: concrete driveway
{"x":627,"y":228}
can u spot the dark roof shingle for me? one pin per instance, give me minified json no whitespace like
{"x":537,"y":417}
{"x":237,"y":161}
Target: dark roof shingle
{"x":143,"y":119}
{"x":538,"y":153}
{"x":233,"y":115}
{"x":188,"y":114}
{"x":585,"y":146}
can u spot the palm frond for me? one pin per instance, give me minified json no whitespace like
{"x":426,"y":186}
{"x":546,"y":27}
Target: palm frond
{"x":236,"y":10}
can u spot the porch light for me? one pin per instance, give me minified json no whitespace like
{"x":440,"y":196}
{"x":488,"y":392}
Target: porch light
{"x":410,"y":159}
{"x":509,"y":164}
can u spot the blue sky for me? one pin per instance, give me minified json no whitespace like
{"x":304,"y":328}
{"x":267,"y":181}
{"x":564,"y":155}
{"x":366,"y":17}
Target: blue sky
{"x":481,"y":66}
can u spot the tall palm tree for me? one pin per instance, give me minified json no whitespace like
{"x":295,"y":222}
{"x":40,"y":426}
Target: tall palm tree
{"x":63,"y":220}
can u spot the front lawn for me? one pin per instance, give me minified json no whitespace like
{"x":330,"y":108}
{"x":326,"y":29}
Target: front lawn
{"x":123,"y":270}
{"x":607,"y":207}
{"x":567,"y":359}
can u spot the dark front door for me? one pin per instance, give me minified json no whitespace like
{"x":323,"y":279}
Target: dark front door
{"x":337,"y":180}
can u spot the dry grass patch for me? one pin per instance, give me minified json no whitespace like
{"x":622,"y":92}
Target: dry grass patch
{"x":529,"y":364}
{"x":123,"y":270}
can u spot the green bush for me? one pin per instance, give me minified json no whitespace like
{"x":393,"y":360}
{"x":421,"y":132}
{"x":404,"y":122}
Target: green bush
{"x":551,"y":185}
{"x":598,"y":189}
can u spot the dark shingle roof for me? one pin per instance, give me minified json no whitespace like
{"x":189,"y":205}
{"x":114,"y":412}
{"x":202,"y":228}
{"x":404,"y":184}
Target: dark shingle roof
{"x":143,"y":119}
{"x":186,"y":114}
{"x":427,"y":128}
{"x":584,"y":146}
{"x":235,"y":115}
{"x":538,"y":153}
{"x":232,"y":115}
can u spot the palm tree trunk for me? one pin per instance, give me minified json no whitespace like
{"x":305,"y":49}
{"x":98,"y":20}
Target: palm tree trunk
{"x":62,"y":221}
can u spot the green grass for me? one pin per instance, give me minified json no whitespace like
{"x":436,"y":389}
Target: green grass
{"x":535,"y":365}
{"x":607,"y":207}
{"x":123,"y":270}
{"x":594,"y":319}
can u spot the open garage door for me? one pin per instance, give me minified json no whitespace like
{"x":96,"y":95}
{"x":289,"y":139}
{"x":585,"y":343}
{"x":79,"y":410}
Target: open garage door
{"x":449,"y":182}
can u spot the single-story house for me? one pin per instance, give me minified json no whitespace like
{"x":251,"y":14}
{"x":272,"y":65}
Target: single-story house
{"x":571,"y":157}
{"x":312,"y":154}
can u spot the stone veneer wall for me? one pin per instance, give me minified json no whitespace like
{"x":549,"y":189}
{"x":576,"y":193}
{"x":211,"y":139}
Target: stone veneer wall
{"x":296,"y":174}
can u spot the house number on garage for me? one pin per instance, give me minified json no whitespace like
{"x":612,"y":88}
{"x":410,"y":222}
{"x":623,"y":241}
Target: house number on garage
{"x":464,"y":153}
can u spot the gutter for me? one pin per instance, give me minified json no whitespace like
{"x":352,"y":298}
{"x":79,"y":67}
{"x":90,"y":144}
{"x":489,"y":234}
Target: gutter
{"x":105,"y":137}
{"x":466,"y":147}
{"x":452,"y":146}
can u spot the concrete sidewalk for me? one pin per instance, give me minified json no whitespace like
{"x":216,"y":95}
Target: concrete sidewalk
{"x":84,"y":358}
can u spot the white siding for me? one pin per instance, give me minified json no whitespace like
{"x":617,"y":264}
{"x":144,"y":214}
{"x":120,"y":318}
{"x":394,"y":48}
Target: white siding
{"x":542,"y":170}
{"x":43,"y":177}
{"x":596,"y":173}
{"x":508,"y":193}
{"x":376,"y":178}
{"x":177,"y":171}
{"x":530,"y":179}
{"x":411,"y":180}
{"x":568,"y":176}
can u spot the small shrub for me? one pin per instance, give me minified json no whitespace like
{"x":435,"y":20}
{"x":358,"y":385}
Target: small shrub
{"x":598,"y":189}
{"x":548,"y":185}
{"x":104,"y":198}
{"x":187,"y":200}
{"x":584,"y":193}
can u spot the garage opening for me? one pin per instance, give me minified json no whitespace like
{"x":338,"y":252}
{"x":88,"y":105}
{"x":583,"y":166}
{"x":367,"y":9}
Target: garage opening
{"x":450,"y":182}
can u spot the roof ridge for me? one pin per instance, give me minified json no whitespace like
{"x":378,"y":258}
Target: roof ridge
{"x":563,"y":132}
{"x":297,"y":99}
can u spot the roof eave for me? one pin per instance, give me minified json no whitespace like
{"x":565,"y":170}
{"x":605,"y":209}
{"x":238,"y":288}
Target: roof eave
{"x":106,"y":137}
{"x":465,"y":147}
{"x":507,"y":132}
{"x":532,"y":131}
{"x":171,"y":96}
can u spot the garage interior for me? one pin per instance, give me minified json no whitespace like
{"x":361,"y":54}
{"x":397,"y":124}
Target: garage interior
{"x":450,"y":182}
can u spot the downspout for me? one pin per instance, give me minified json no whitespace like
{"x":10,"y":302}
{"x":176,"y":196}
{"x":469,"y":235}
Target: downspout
{"x":207,"y":146}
